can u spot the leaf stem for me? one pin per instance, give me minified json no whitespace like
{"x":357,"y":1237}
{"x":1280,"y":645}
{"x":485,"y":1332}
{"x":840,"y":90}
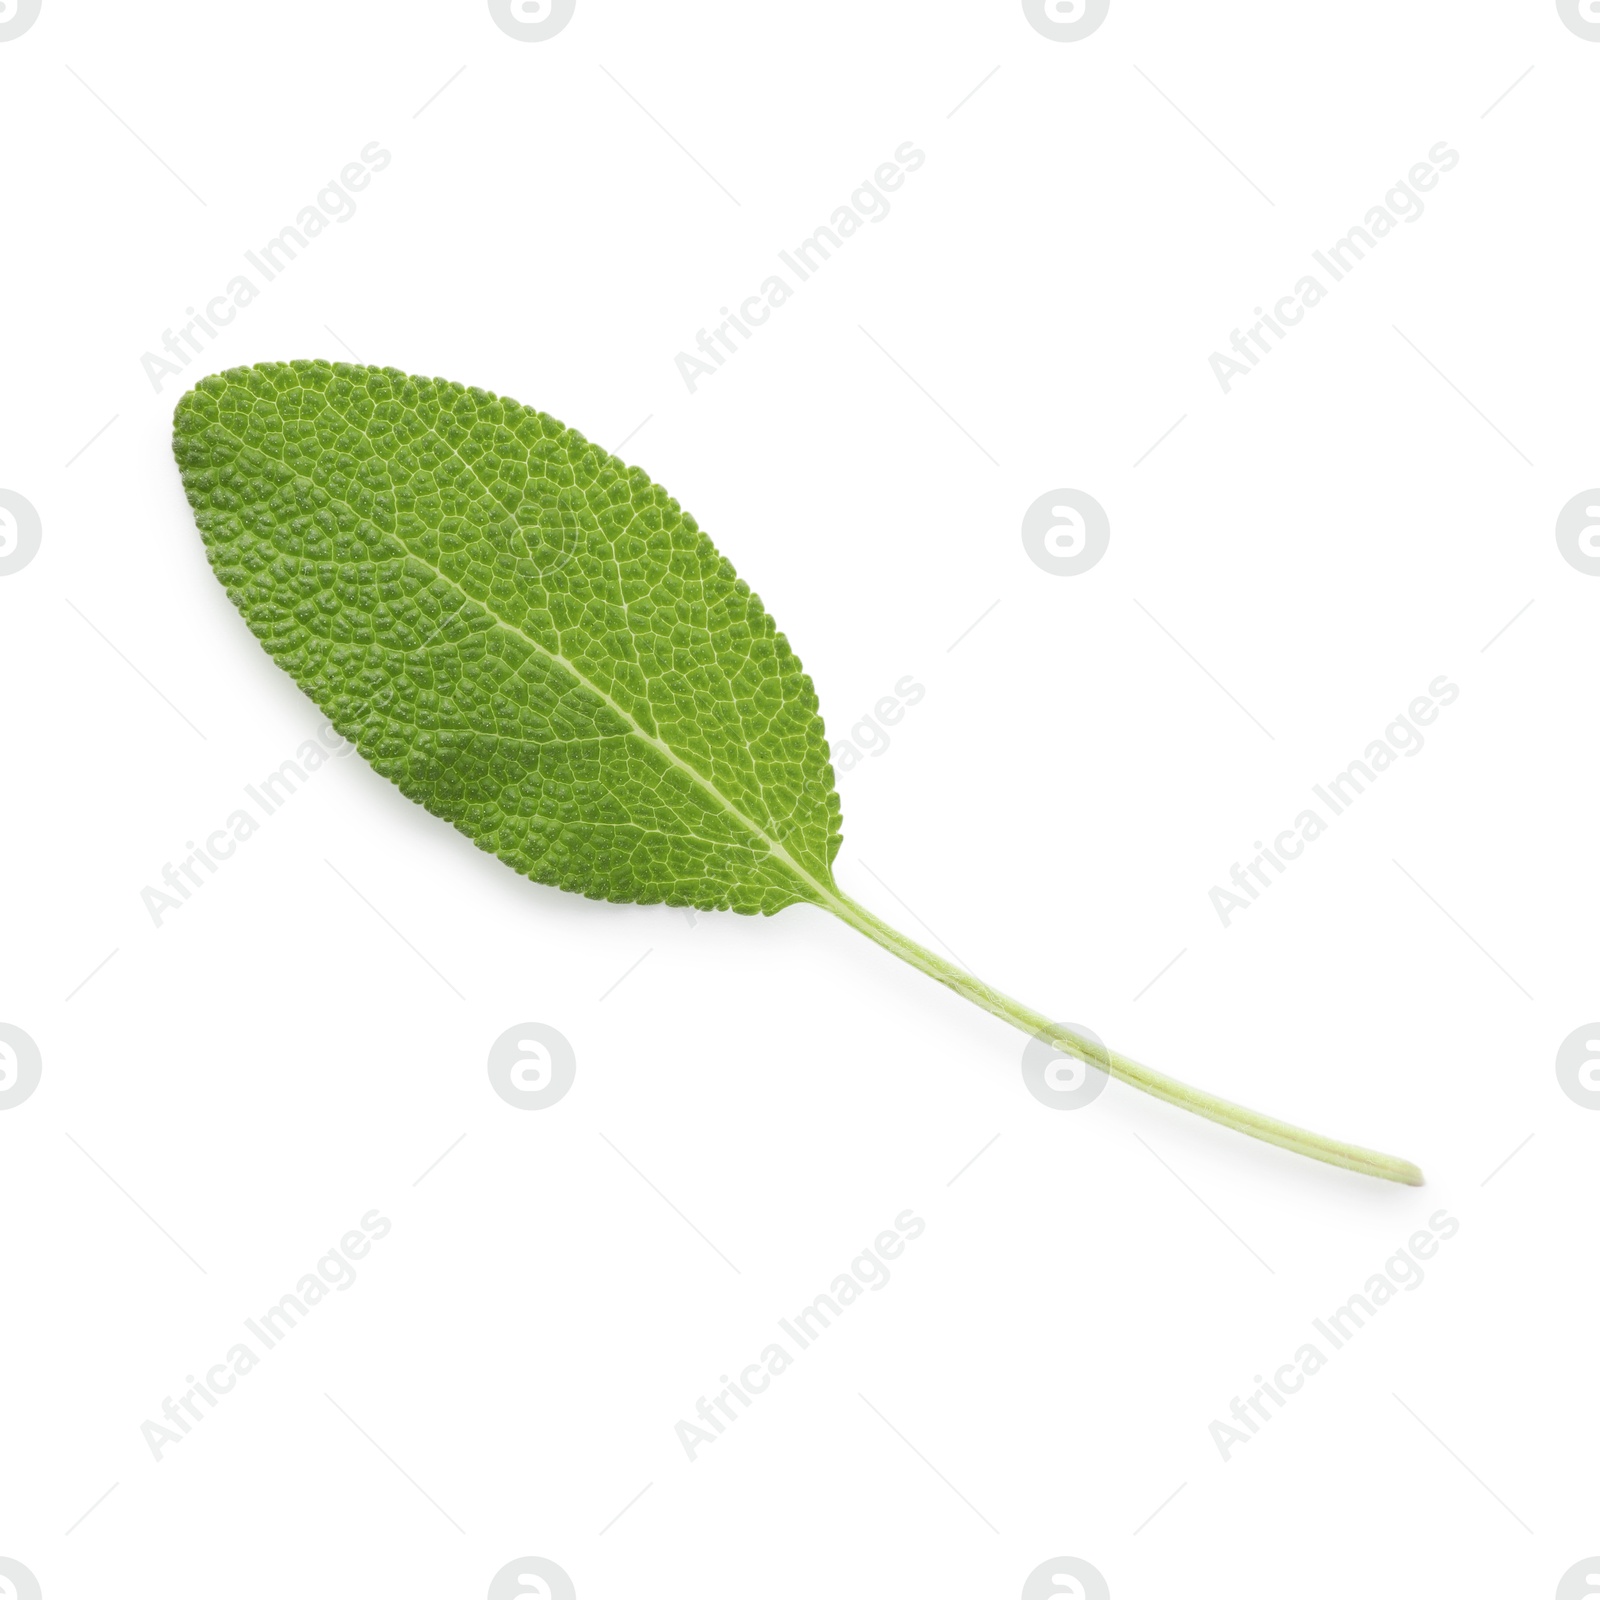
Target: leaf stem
{"x":1320,"y":1148}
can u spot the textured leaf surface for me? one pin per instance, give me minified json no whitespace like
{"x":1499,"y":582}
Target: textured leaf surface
{"x":530,"y":638}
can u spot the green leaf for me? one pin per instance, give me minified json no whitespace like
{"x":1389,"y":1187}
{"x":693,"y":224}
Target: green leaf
{"x":535,"y":641}
{"x":531,"y":639}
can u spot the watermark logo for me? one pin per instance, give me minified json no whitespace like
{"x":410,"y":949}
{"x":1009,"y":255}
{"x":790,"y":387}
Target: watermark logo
{"x":531,"y":1066}
{"x":1581,"y":1582}
{"x":1065,"y":531}
{"x":1578,"y":529}
{"x":16,"y":17}
{"x":204,"y":860}
{"x":20,"y":1069}
{"x":1403,"y":1271}
{"x":1065,"y":1578}
{"x":869,"y":736}
{"x":559,"y":532}
{"x":1403,"y":203}
{"x":335,"y":202}
{"x":1583,"y":17}
{"x":807,"y":257}
{"x":1066,"y":21}
{"x":336,"y":1272}
{"x":1577,"y":1066}
{"x":1066,"y":1082}
{"x":20,"y":529}
{"x":869,"y":1272}
{"x":530,"y":21}
{"x":531,"y":1578}
{"x":16,"y":1582}
{"x":1403,"y":737}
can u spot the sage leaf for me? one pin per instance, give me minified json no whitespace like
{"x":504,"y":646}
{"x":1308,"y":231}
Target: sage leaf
{"x":537,"y":643}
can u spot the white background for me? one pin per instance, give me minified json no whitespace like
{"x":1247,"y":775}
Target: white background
{"x":228,"y":1093}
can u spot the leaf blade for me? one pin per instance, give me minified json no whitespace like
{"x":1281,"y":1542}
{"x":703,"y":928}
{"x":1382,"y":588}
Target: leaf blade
{"x":528,"y":637}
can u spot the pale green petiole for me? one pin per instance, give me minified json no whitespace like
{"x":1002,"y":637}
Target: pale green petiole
{"x":1372,"y":1162}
